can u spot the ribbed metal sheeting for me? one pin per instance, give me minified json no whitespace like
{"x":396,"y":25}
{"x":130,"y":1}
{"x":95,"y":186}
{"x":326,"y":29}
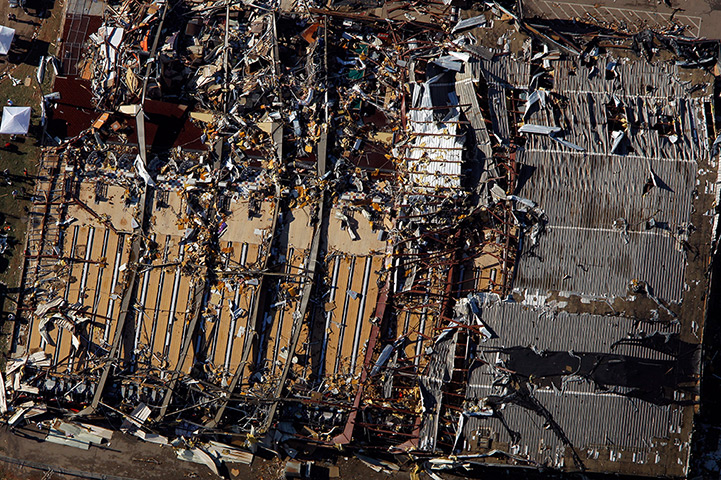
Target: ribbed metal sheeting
{"x":435,"y":158}
{"x":500,"y":73}
{"x":632,"y":78}
{"x":585,"y":124}
{"x":438,"y":372}
{"x":467,"y":96}
{"x":499,"y":112}
{"x":599,"y":263}
{"x":436,"y":153}
{"x":505,"y":71}
{"x":588,"y":418}
{"x":520,"y":325}
{"x":583,"y":195}
{"x":591,"y":191}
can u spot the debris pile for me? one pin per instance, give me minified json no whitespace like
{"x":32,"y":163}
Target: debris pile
{"x":296,"y":227}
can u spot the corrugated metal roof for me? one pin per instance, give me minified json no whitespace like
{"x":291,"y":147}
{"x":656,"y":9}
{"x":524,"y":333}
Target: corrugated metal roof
{"x":633,"y":78}
{"x":583,"y":194}
{"x":585,"y":124}
{"x":588,"y":420}
{"x":519,"y":325}
{"x":467,"y":95}
{"x":499,"y":112}
{"x":437,"y":373}
{"x":505,"y":71}
{"x":436,"y":151}
{"x":596,"y":242}
{"x":596,"y":263}
{"x":586,"y":416}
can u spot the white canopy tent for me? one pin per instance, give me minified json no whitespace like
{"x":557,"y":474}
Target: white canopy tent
{"x":6,"y":38}
{"x":16,"y":120}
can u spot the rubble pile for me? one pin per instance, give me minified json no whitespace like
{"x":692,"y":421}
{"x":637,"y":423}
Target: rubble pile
{"x":288,"y":224}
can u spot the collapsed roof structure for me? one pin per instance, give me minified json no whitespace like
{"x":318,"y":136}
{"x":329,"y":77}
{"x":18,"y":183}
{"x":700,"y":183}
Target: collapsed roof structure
{"x":429,"y":231}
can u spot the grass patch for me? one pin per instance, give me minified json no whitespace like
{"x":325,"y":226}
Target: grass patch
{"x":24,"y":155}
{"x":18,"y":83}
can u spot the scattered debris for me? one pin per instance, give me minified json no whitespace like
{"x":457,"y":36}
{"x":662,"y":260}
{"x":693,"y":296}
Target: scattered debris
{"x":299,"y":226}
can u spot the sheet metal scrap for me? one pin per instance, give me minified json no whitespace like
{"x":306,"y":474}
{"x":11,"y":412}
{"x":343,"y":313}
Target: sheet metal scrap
{"x":324,"y":141}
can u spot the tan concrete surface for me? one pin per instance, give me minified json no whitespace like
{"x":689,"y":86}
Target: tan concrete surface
{"x":241,"y":229}
{"x":340,"y":240}
{"x":114,"y":208}
{"x":164,"y":221}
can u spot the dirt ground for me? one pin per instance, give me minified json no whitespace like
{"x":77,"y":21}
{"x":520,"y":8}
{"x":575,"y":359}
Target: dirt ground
{"x":124,"y":456}
{"x":127,"y":457}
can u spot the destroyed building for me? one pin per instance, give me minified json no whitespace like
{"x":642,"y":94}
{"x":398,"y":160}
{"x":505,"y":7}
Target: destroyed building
{"x":439,"y":233}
